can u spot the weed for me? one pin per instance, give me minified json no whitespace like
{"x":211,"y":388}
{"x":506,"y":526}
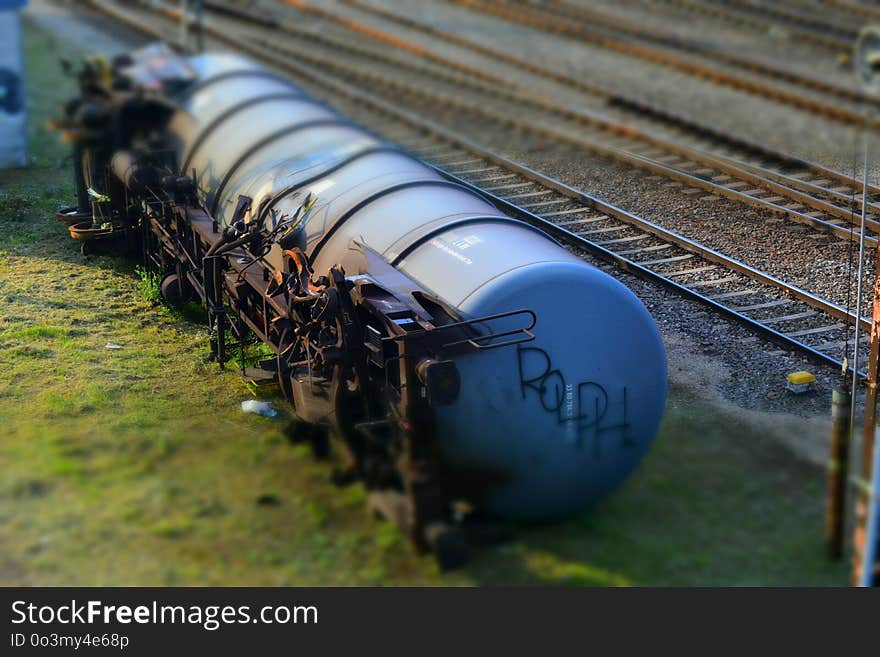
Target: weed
{"x":249,"y":352}
{"x":149,"y":285}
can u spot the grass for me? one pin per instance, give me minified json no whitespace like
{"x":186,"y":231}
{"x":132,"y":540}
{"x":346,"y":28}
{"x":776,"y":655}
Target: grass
{"x":136,"y":466}
{"x":13,"y":207}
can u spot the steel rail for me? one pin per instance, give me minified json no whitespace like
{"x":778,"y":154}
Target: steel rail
{"x":438,"y":132}
{"x":835,"y":44}
{"x":668,"y":57}
{"x":829,"y":32}
{"x":788,"y":16}
{"x":593,"y":17}
{"x":851,"y":7}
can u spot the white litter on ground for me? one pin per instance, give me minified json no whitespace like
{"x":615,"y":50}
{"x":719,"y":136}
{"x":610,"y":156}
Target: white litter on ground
{"x":112,"y":345}
{"x":259,"y":407}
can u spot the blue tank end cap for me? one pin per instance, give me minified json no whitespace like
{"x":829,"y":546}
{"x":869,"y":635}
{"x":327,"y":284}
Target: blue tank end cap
{"x":12,"y":4}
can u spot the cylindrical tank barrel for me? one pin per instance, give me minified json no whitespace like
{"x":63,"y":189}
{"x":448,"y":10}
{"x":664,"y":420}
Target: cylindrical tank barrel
{"x":546,"y":427}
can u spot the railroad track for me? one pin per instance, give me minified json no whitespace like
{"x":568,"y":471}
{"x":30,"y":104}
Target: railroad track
{"x":796,"y":171}
{"x":587,"y":225}
{"x":684,"y":150}
{"x":810,"y":93}
{"x":836,"y":36}
{"x":800,"y":191}
{"x":788,"y":187}
{"x":787,"y":16}
{"x":852,"y":8}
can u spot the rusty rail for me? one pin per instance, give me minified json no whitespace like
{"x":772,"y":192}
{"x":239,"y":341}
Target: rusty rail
{"x":837,"y":37}
{"x":670,"y":57}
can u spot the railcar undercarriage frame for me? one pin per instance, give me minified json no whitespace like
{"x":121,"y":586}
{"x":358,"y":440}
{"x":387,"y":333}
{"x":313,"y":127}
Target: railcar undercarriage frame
{"x":361,"y":351}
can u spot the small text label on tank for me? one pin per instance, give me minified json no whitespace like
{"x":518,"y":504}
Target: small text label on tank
{"x":585,"y":408}
{"x":466,"y":242}
{"x":438,"y":244}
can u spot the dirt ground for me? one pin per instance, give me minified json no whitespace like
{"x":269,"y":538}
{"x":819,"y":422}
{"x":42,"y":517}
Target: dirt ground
{"x":136,"y":467}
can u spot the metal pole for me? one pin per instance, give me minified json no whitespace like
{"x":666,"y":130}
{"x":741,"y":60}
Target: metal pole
{"x":837,"y":472}
{"x":867,"y":68}
{"x":858,"y":309}
{"x":863,"y":499}
{"x":870,"y":571}
{"x":79,"y":179}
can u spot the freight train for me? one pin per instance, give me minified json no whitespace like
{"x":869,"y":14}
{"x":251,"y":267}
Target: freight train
{"x":456,"y":361}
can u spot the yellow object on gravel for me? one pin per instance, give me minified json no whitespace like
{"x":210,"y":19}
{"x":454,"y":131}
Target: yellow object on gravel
{"x":800,"y":381}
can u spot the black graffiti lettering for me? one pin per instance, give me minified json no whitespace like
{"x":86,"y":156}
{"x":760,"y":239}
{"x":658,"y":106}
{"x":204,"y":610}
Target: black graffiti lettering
{"x":558,"y":384}
{"x":531,"y":383}
{"x":586,"y":407}
{"x":593,"y":398}
{"x":593,"y":405}
{"x":541,"y":383}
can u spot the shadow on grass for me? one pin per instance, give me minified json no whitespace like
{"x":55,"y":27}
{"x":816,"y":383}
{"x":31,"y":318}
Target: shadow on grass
{"x":714,"y":503}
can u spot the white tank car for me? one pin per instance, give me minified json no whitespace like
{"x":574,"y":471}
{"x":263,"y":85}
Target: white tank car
{"x":557,"y":422}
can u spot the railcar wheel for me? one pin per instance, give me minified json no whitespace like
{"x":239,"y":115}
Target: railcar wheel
{"x":175,"y":291}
